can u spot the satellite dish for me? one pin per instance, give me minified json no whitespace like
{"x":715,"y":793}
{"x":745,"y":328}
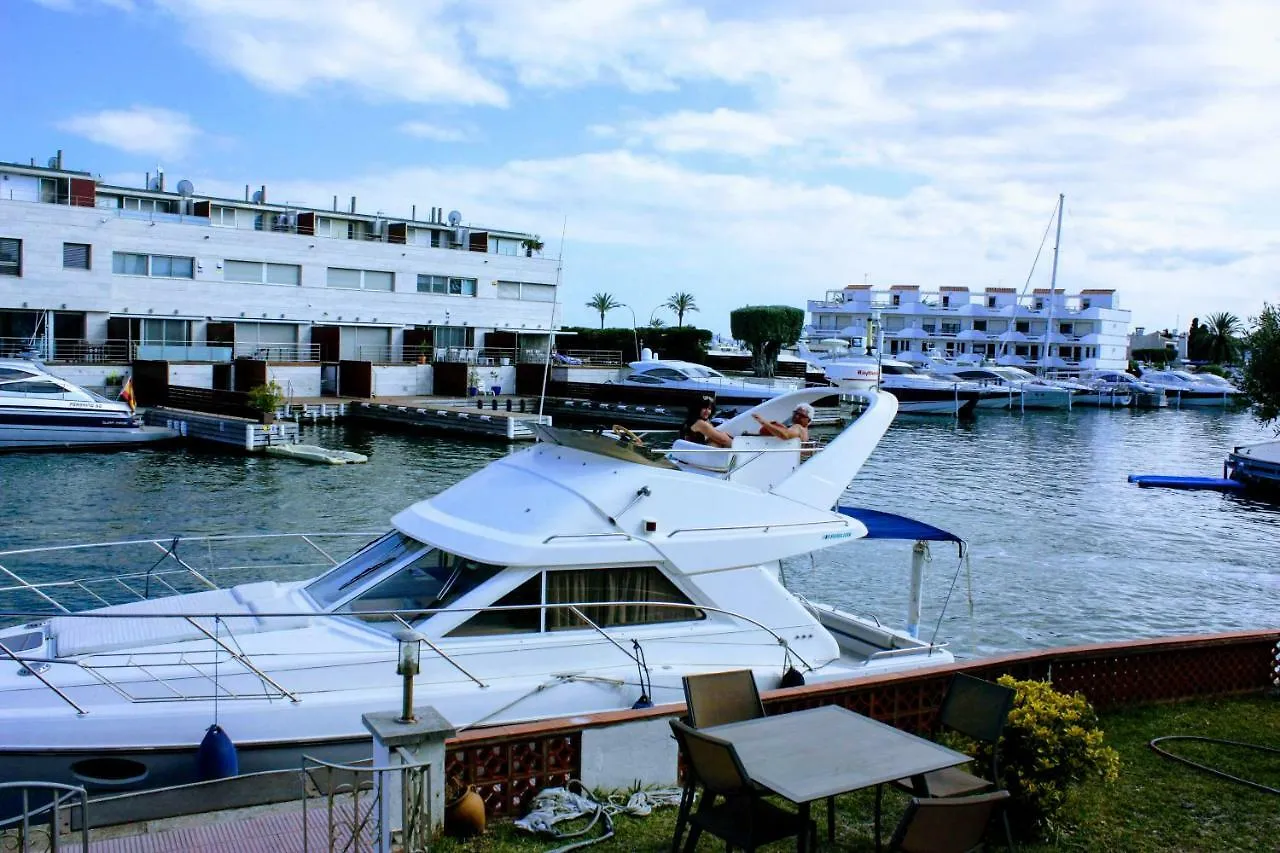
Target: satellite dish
{"x":257,"y":196}
{"x":155,"y":184}
{"x":185,"y":188}
{"x":455,"y":218}
{"x":53,"y":162}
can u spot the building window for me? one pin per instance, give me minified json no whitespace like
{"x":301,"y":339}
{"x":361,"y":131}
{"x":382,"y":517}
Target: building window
{"x":166,"y":331}
{"x":1039,"y":304}
{"x":528,"y":291}
{"x":896,"y":299}
{"x":1023,"y":326}
{"x":259,"y":272}
{"x":360,"y":279}
{"x":950,"y":328}
{"x":10,"y":256}
{"x":1066,"y":328}
{"x":991,"y":302}
{"x":946,"y":301}
{"x":156,"y":266}
{"x":146,"y":205}
{"x":76,"y":256}
{"x":979,"y":325}
{"x":224,"y":217}
{"x":450,"y":286}
{"x":1084,"y":304}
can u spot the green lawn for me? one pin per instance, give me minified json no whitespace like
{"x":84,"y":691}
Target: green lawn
{"x":1157,"y":804}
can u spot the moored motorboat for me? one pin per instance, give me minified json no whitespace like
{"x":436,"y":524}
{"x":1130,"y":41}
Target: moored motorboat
{"x":1184,"y":388}
{"x":1256,"y":465}
{"x":41,"y":411}
{"x":582,"y":574}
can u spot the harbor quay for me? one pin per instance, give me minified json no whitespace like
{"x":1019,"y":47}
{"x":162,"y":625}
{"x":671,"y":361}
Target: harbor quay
{"x":509,"y":765}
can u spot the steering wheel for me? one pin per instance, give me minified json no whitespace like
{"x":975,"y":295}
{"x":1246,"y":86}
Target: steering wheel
{"x":627,"y":434}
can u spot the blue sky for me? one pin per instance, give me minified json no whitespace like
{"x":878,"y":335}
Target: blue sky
{"x":746,"y":153}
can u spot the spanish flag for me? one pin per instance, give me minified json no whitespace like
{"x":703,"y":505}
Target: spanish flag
{"x":126,"y":394}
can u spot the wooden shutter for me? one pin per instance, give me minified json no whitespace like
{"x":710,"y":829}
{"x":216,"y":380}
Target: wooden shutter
{"x":83,"y":192}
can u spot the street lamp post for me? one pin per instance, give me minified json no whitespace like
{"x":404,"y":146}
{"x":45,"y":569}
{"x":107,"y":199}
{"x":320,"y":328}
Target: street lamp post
{"x":635,"y":336}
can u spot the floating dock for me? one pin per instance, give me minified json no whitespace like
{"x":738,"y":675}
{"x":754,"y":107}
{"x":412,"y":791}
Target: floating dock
{"x":493,"y":423}
{"x":227,"y":430}
{"x":1161,"y":481}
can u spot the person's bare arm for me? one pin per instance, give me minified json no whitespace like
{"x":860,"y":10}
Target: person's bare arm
{"x":713,"y":435}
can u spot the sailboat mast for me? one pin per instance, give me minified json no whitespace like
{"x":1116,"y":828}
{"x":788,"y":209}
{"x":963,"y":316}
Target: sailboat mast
{"x":1053,"y":282}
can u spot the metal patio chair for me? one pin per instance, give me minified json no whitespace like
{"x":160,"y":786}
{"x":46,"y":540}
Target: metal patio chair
{"x":946,"y":824}
{"x":744,"y":818}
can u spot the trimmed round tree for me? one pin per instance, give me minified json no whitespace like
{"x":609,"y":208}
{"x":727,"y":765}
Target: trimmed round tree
{"x":766,"y":329}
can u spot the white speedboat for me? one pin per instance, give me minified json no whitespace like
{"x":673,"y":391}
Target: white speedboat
{"x":851,"y":372}
{"x":1022,"y":390}
{"x":1184,"y":388}
{"x":582,"y":574}
{"x":688,"y":376}
{"x":1118,"y":388}
{"x":40,"y":411}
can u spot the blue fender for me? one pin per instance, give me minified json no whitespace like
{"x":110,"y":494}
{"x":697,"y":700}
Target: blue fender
{"x":216,"y":758}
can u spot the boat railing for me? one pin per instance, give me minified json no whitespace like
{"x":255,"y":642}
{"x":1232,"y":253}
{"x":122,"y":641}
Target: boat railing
{"x":179,"y":564}
{"x":210,"y":673}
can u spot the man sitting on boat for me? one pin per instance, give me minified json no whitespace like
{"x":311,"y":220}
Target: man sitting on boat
{"x":798,"y":428}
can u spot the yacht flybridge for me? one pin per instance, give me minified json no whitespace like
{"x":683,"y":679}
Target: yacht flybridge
{"x":583,"y":574}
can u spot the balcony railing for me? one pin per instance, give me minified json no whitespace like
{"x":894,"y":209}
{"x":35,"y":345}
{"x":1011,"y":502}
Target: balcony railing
{"x":486,"y":356}
{"x":278,"y":352}
{"x":276,"y":222}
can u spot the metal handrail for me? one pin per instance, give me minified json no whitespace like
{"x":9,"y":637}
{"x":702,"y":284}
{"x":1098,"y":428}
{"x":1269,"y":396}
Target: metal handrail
{"x":60,"y":794}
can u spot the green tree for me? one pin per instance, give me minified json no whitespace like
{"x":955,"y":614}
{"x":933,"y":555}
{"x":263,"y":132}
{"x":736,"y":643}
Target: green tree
{"x":1222,"y":338}
{"x":766,"y":329}
{"x":657,"y":323}
{"x":680,"y":304}
{"x":603,"y":303}
{"x":1262,"y":367}
{"x":1197,"y":343}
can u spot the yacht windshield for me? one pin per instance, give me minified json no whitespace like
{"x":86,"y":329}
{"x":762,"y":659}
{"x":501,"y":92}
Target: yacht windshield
{"x":434,"y":579}
{"x":704,"y":372}
{"x":330,"y":588}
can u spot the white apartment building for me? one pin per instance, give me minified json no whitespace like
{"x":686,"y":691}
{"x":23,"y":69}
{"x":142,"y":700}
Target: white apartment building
{"x":1067,"y":331}
{"x":95,"y":272}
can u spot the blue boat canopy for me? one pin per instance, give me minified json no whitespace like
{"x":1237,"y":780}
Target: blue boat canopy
{"x":886,"y":525}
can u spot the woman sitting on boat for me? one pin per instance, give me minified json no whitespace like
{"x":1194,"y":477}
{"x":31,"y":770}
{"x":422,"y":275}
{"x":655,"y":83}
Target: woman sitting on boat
{"x":699,"y":429}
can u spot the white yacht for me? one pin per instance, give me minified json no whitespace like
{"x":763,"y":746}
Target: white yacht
{"x":1020,"y":389}
{"x":849,"y":370}
{"x":1184,"y":388}
{"x":688,"y":376}
{"x":40,"y":411}
{"x":582,"y":574}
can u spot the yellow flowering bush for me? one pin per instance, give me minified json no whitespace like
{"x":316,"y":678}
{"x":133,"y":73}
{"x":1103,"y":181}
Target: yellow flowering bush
{"x":1051,"y":742}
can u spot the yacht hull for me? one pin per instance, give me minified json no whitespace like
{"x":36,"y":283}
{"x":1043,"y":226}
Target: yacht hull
{"x":29,"y":436}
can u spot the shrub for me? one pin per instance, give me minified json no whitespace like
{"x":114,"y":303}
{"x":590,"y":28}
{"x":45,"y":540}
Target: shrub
{"x":1050,"y":744}
{"x":266,"y":398}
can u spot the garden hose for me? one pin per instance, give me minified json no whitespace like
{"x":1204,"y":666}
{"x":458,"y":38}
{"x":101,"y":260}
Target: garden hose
{"x":1212,"y":770}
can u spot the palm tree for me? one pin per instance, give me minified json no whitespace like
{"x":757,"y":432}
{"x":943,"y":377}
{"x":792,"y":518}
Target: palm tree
{"x":1223,"y":338}
{"x":657,"y":323}
{"x":604,"y":303}
{"x":680,"y":303}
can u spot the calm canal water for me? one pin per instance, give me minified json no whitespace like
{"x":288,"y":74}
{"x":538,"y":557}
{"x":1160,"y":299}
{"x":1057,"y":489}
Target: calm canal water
{"x":1064,"y":550}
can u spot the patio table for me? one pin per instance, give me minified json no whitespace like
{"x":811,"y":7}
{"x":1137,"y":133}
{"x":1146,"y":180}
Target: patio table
{"x":821,"y":752}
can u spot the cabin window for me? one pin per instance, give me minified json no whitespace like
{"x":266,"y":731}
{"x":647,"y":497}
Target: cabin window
{"x":338,"y":583}
{"x":526,"y":620}
{"x":614,"y":597}
{"x":35,"y":386}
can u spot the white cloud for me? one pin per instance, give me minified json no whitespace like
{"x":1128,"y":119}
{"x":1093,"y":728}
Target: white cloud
{"x":407,"y":51}
{"x":436,"y":132}
{"x":138,"y":130}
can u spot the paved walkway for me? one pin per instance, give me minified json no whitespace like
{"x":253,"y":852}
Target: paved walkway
{"x":276,"y":832}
